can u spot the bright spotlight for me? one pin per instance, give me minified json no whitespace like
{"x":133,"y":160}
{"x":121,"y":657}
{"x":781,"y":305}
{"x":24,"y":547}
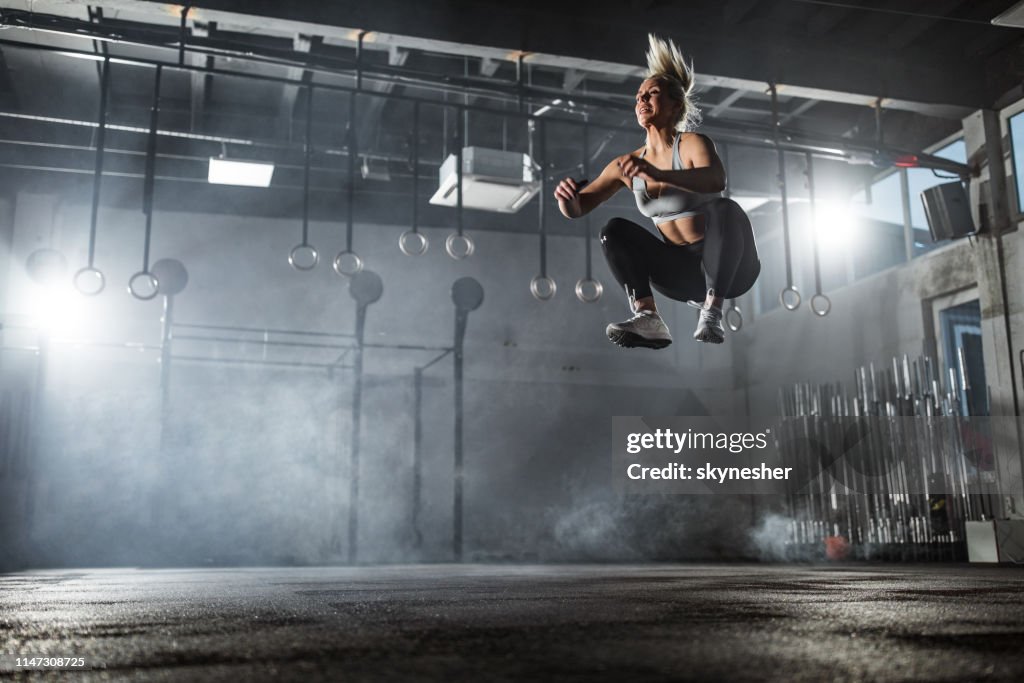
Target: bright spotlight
{"x":833,"y":224}
{"x":233,"y":172}
{"x":57,"y":310}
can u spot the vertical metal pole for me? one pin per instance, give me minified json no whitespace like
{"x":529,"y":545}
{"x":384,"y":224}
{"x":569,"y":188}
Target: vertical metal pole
{"x":417,"y":453}
{"x":520,"y":69}
{"x":183,"y":34}
{"x":999,"y":219}
{"x":161,"y":500}
{"x":781,"y":180}
{"x":307,"y":159}
{"x":352,"y":152}
{"x":149,"y":183}
{"x":457,"y":542}
{"x":465,"y":103}
{"x":37,"y":450}
{"x":814,"y":224}
{"x":359,"y":60}
{"x":166,"y":337}
{"x":459,"y":138}
{"x":416,"y":166}
{"x":101,"y":136}
{"x":542,"y":203}
{"x":908,"y":227}
{"x":357,"y":405}
{"x":585,"y":168}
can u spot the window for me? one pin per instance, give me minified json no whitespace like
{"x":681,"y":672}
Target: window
{"x":962,"y":355}
{"x":880,"y":244}
{"x":881,"y":218}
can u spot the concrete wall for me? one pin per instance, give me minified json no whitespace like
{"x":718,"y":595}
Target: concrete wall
{"x":253,"y":466}
{"x":871,"y":321}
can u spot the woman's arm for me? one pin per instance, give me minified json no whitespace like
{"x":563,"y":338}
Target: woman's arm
{"x":706,"y":176}
{"x":574,"y":201}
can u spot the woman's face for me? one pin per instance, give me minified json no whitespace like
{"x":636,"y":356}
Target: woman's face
{"x":654,"y":106}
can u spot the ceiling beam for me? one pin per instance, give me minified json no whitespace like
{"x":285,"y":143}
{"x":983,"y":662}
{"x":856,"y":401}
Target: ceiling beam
{"x":738,"y":59}
{"x":802,"y":109}
{"x":729,"y":100}
{"x":745,"y":59}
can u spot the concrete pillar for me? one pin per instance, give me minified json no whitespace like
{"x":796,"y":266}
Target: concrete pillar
{"x":997,"y":257}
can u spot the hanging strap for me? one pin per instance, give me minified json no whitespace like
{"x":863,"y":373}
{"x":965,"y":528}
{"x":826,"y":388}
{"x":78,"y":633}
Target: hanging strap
{"x":101,"y":135}
{"x":351,"y":169}
{"x":308,"y":150}
{"x":150,"y":181}
{"x":541,"y":204}
{"x":415,"y":165}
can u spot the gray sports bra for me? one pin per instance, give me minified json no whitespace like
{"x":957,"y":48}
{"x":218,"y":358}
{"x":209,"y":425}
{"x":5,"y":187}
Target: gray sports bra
{"x":672,"y":203}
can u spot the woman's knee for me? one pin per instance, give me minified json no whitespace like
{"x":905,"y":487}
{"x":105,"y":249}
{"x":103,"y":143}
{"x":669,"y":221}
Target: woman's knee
{"x":618,"y":231}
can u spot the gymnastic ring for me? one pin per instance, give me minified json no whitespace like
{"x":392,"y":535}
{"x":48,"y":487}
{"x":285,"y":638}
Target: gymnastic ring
{"x":101,"y":281}
{"x":403,"y":243}
{"x":354,"y":265}
{"x":581,"y":290}
{"x":293,"y":257}
{"x":133,"y":287}
{"x":543,"y":288}
{"x":782,"y":298}
{"x":467,"y":244}
{"x":821,"y":312}
{"x":734,"y":318}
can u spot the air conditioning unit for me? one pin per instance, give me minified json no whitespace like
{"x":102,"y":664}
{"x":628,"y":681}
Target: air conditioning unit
{"x":492,"y":180}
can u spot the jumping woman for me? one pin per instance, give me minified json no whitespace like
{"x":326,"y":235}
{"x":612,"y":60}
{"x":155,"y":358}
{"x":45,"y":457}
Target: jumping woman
{"x":701,"y":249}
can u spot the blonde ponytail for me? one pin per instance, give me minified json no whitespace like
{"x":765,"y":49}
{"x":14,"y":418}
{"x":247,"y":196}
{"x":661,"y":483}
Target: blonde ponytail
{"x":665,"y":62}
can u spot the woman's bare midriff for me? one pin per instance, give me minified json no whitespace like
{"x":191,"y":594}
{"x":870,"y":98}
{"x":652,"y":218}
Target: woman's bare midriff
{"x":686,"y":230}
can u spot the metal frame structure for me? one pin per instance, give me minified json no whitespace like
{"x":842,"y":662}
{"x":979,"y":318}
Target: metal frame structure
{"x":199,"y":332}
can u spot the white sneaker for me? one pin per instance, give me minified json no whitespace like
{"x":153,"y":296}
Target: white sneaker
{"x":645,"y":328}
{"x":709,"y":326}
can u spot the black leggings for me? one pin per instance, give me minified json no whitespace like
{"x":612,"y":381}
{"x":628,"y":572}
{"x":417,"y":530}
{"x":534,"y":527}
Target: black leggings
{"x":639,"y":260}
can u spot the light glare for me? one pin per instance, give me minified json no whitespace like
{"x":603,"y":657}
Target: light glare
{"x":57,"y":310}
{"x":833,"y":224}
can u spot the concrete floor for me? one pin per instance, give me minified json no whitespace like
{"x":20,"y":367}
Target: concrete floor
{"x":514,"y":623}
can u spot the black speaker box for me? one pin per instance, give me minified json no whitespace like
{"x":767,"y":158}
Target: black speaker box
{"x":948,"y":211}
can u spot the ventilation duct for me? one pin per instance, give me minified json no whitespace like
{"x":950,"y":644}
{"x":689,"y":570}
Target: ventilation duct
{"x":492,"y":180}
